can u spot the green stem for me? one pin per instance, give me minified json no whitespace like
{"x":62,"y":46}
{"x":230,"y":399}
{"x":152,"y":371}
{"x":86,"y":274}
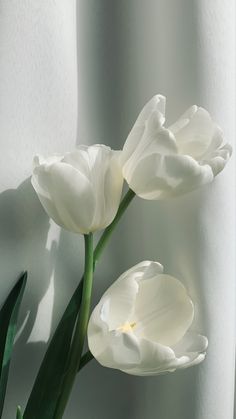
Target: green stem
{"x":80,"y":329}
{"x":18,"y":413}
{"x":108,"y":231}
{"x":86,"y":358}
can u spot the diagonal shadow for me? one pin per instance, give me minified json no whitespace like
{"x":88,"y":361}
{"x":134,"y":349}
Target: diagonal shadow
{"x":24,"y":230}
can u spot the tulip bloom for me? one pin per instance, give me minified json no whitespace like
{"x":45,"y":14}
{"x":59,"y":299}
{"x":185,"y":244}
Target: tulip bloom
{"x":159,"y":162}
{"x":142,"y":324}
{"x":81,"y":190}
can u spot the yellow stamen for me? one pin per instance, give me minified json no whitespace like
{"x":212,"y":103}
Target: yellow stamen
{"x":126,"y":327}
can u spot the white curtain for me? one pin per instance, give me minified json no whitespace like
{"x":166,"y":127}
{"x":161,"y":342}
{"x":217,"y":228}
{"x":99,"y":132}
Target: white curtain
{"x":80,"y":73}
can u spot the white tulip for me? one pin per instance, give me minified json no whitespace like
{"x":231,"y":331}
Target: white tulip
{"x":142,"y":324}
{"x":159,"y":162}
{"x":81,"y":190}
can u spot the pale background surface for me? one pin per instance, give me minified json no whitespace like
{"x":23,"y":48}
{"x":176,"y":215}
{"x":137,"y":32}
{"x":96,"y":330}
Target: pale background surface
{"x":82,"y":76}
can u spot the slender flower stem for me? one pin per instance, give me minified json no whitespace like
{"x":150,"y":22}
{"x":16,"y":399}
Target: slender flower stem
{"x":108,"y":231}
{"x":18,"y":413}
{"x":80,"y":329}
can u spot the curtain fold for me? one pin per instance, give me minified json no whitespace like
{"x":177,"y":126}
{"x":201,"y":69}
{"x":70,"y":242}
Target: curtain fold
{"x":184,"y":50}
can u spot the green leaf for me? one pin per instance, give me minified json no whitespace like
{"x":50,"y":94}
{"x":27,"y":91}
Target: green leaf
{"x":18,"y":413}
{"x":8,"y":320}
{"x":47,"y":387}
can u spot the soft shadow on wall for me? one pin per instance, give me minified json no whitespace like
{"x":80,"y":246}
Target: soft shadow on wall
{"x":27,"y":241}
{"x":23,"y":236}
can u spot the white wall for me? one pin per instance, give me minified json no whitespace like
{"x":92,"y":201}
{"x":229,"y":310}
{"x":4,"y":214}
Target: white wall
{"x":127,"y":51}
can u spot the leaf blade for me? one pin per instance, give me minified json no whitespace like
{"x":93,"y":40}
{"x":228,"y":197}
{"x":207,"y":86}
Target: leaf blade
{"x":47,"y":386}
{"x":8,"y":322}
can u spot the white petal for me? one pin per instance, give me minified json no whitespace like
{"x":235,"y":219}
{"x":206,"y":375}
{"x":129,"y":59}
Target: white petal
{"x":127,"y":352}
{"x":98,"y":161}
{"x":193,"y":360}
{"x":156,"y":103}
{"x":45,"y":199}
{"x":163,"y":310}
{"x":121,"y":295}
{"x":117,"y":304}
{"x":66,"y":195}
{"x":191,"y":342}
{"x":160,"y":302}
{"x":143,"y":169}
{"x":187,"y":172}
{"x":155,"y":359}
{"x":83,"y":193}
{"x":154,"y":139}
{"x":147,"y":179}
{"x":101,"y":166}
{"x":216,"y":142}
{"x":38,"y":160}
{"x":159,"y":163}
{"x":217,"y":159}
{"x":192,"y":345}
{"x":107,"y":183}
{"x":157,"y":106}
{"x":160,"y":176}
{"x":79,"y":159}
{"x":111,"y":348}
{"x":113,"y":184}
{"x":158,"y":359}
{"x":194,"y":131}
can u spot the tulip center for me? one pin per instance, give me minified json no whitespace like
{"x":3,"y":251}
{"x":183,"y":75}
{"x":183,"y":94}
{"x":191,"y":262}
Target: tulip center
{"x":126,"y":327}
